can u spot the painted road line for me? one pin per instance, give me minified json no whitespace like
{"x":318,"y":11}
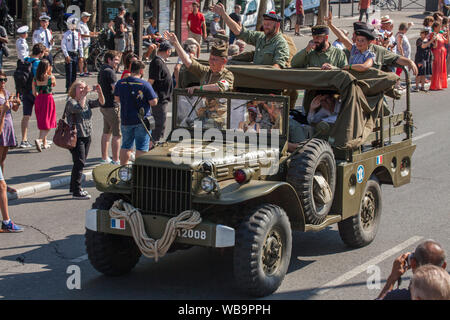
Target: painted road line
{"x":80,"y":259}
{"x":363,"y":268}
{"x":423,"y":136}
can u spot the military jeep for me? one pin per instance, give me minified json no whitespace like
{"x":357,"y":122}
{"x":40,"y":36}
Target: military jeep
{"x":247,"y":191}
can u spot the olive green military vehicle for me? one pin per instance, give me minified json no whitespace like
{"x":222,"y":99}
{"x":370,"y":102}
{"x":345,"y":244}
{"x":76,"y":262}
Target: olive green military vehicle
{"x":227,"y":177}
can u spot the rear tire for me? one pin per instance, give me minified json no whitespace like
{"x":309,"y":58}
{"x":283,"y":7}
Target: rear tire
{"x":262,"y":251}
{"x":110,"y":254}
{"x":360,"y":230}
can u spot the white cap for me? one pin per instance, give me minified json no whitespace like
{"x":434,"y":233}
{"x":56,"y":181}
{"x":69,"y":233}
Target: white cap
{"x":72,"y":21}
{"x":22,"y":29}
{"x":44,"y":17}
{"x":85,"y":14}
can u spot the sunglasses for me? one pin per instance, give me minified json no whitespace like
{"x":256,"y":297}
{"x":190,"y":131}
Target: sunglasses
{"x":3,"y":79}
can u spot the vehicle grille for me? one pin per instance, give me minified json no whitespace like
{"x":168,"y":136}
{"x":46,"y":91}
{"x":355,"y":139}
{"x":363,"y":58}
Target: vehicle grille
{"x":161,"y":190}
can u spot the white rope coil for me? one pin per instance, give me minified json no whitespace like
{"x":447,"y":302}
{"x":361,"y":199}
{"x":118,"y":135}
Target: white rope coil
{"x":149,"y":247}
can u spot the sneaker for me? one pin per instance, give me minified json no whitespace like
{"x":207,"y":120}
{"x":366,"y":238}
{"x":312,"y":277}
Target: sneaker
{"x":108,"y":160}
{"x":25,"y":144}
{"x":87,"y":74}
{"x":82,"y":75}
{"x":115,"y":162}
{"x":415,"y":89}
{"x":11,"y":227}
{"x":83,"y":195}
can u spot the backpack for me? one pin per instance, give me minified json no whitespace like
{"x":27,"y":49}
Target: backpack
{"x":23,"y":76}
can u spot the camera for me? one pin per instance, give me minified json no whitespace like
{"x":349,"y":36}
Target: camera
{"x":408,"y":260}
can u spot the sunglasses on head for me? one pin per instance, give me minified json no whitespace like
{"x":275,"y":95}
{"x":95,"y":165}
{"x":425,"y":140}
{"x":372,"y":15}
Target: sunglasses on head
{"x":3,"y":79}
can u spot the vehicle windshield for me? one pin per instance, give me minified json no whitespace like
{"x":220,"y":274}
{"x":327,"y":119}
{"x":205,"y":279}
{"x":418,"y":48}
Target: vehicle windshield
{"x":234,"y":112}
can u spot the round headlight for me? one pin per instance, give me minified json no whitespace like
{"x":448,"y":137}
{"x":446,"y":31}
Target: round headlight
{"x":125,"y":173}
{"x":208,"y":184}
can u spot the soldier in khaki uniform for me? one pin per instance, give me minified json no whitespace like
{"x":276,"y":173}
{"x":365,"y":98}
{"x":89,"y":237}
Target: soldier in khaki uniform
{"x":214,"y":77}
{"x":270,"y":46}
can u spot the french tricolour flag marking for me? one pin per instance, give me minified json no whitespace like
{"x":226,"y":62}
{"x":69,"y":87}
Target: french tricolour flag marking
{"x":118,"y":224}
{"x":379,"y":160}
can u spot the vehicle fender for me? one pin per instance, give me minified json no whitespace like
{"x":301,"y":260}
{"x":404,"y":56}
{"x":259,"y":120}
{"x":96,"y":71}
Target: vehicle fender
{"x":274,"y":192}
{"x":102,"y":176}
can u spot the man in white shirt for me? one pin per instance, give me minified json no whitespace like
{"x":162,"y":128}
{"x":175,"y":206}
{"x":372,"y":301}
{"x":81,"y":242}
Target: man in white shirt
{"x":21,"y":43}
{"x":86,"y":36}
{"x":44,"y":35}
{"x":73,"y":50}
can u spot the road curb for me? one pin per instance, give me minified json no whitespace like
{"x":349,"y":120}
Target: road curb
{"x":27,"y":189}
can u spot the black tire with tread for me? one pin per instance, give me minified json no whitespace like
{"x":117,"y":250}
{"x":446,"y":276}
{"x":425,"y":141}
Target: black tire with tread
{"x":351,"y":230}
{"x":110,"y":254}
{"x":251,"y":236}
{"x":301,"y":172}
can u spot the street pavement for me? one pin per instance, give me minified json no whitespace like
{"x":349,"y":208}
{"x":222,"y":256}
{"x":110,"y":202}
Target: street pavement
{"x":33,"y":264}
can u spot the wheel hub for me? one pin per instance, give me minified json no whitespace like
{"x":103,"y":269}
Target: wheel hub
{"x":271,"y":255}
{"x":368,"y":210}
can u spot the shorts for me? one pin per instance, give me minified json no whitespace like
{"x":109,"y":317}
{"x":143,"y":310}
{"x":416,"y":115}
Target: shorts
{"x":1,"y":175}
{"x":111,"y":121}
{"x":120,"y":44}
{"x":300,"y":19}
{"x":135,"y":133}
{"x":28,"y":102}
{"x":196,"y":36}
{"x":85,"y":53}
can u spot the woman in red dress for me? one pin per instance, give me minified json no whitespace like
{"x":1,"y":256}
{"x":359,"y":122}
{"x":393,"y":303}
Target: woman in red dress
{"x":45,"y":107}
{"x":439,"y":71}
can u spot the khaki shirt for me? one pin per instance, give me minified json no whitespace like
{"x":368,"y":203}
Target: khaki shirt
{"x":214,"y":114}
{"x":333,"y":56}
{"x":224,"y":79}
{"x":383,"y":57}
{"x":267,"y":52}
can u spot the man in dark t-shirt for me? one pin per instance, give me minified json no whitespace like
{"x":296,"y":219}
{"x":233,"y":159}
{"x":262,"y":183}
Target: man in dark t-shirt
{"x":111,"y":110}
{"x":119,"y":30}
{"x":236,"y":16}
{"x":161,"y":80}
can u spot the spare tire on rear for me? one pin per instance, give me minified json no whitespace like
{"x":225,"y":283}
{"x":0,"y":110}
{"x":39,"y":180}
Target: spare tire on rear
{"x":312,"y":172}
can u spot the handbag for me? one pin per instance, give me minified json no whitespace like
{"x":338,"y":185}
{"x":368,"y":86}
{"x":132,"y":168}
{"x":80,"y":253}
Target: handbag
{"x":65,"y":134}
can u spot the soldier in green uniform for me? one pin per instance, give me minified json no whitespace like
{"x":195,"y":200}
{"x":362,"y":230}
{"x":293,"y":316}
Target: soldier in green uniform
{"x":319,"y":52}
{"x":214,"y":77}
{"x":270,"y":46}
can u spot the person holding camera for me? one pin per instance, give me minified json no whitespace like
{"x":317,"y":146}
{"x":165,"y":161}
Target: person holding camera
{"x":135,"y":96}
{"x":78,"y":111}
{"x":428,"y":252}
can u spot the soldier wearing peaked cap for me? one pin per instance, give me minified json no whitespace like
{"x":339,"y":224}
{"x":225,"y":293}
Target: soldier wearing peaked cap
{"x":44,"y":35}
{"x":270,"y":46}
{"x":21,"y":43}
{"x":72,"y":48}
{"x":214,"y":77}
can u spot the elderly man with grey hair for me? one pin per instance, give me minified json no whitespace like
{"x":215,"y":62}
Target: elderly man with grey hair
{"x":427,"y":252}
{"x":430,"y":283}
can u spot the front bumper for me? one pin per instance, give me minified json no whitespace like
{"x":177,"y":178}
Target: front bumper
{"x":205,"y":234}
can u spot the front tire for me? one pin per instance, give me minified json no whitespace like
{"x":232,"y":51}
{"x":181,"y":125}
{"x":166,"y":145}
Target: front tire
{"x":262,"y":251}
{"x":360,"y":230}
{"x":110,"y":254}
{"x":59,"y":63}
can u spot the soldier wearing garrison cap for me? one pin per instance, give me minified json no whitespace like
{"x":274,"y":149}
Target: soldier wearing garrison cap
{"x":319,"y":52}
{"x":214,"y":77}
{"x":270,"y":46}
